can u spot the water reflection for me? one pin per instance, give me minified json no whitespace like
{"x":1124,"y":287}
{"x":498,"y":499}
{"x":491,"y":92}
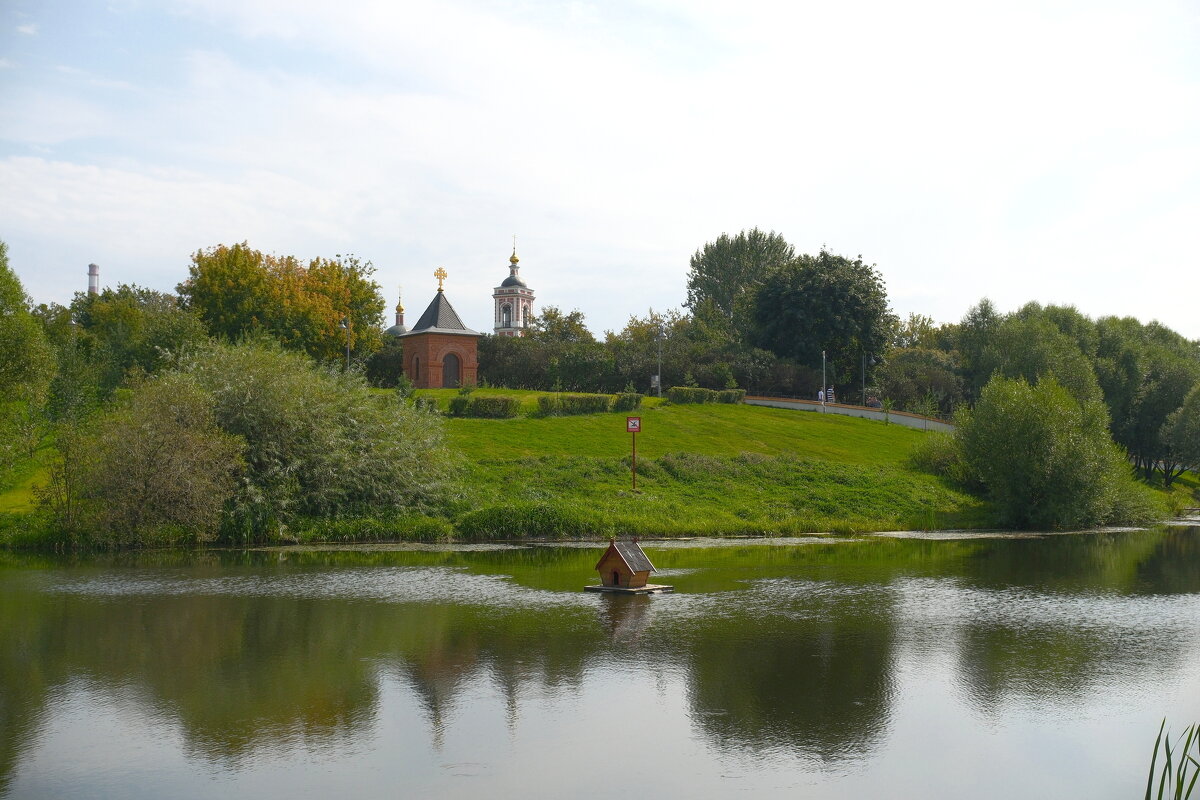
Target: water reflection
{"x":801,"y":650}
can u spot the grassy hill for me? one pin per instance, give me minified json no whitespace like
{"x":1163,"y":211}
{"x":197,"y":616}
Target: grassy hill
{"x":702,"y":469}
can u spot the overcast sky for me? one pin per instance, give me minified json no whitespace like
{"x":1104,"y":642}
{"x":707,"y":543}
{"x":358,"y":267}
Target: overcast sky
{"x":1020,"y":150}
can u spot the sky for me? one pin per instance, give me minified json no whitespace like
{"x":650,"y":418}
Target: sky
{"x":1022,"y":151}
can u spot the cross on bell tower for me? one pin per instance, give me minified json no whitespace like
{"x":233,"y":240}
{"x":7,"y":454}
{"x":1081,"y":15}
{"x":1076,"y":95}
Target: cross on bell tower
{"x":441,"y":275}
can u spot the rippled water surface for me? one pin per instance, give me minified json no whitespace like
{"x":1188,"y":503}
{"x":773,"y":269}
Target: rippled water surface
{"x":968,"y":666}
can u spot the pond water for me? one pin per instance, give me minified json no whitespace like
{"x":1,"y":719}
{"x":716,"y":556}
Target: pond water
{"x":878,"y":667}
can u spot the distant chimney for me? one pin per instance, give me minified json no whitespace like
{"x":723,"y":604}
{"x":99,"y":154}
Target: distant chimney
{"x":93,"y":279}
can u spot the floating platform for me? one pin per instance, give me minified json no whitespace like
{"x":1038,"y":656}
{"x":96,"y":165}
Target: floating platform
{"x":649,"y":588}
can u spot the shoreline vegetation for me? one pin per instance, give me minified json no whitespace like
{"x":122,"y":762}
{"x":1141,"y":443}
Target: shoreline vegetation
{"x":704,"y":470}
{"x":263,"y":403}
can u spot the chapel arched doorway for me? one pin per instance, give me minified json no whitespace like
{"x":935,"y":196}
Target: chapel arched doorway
{"x":451,"y":371}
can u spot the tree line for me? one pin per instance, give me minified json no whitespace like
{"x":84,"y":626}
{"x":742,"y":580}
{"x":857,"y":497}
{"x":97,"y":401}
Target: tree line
{"x":243,"y":364}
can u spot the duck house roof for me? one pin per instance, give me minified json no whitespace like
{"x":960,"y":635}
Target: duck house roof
{"x":631,"y":553}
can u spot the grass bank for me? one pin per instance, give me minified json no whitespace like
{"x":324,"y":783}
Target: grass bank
{"x":703,"y":470}
{"x":713,"y":470}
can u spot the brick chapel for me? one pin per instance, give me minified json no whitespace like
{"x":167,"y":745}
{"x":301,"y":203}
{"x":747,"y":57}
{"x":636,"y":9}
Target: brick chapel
{"x":440,"y":351}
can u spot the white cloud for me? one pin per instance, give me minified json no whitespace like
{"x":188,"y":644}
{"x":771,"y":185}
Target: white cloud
{"x":1022,"y":154}
{"x":28,"y":30}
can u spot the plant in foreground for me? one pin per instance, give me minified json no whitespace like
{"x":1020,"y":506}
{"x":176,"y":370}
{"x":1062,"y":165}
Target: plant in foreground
{"x":1178,"y":764}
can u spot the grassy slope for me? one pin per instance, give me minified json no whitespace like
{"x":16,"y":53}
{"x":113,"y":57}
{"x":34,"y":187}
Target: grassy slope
{"x":713,"y":469}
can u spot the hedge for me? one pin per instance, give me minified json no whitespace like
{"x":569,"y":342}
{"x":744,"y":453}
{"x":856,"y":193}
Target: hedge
{"x":495,"y":407}
{"x":627,"y":401}
{"x":693,"y":394}
{"x":572,"y":404}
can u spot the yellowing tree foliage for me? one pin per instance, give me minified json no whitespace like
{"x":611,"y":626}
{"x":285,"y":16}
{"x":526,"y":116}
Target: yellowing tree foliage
{"x":237,"y":290}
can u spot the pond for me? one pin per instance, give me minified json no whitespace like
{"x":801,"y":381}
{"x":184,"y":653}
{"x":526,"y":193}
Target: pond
{"x":900,"y":667}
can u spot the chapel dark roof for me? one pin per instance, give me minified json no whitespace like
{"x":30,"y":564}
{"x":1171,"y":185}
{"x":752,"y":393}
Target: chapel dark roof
{"x":513,"y":280}
{"x":440,"y":317}
{"x":633,"y":556}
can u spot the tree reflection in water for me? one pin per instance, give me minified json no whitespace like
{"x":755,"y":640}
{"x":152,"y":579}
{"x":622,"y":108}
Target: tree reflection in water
{"x":787,"y":649}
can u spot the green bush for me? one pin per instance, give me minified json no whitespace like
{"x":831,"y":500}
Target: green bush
{"x":693,"y":394}
{"x":574,"y":404}
{"x":532,"y":521}
{"x":425,"y":403}
{"x":498,"y":407}
{"x":373,"y":529}
{"x":319,"y":442}
{"x":1047,"y":460}
{"x":459,"y":404}
{"x":731,"y":395}
{"x":627,"y":401}
{"x":939,"y":454}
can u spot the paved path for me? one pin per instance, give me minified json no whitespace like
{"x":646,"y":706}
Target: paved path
{"x":895,"y":417}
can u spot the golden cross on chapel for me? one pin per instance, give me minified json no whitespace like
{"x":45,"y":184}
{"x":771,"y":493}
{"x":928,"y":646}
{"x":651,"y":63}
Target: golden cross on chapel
{"x":440,"y":274}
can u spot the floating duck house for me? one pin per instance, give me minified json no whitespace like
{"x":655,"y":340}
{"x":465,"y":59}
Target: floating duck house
{"x":625,"y":569}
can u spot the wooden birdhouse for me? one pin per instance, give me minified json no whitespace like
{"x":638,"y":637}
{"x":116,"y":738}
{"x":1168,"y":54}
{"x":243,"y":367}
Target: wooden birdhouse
{"x":624,"y":567}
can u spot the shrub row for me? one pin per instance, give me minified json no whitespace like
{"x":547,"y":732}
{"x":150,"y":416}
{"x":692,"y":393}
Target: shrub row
{"x":693,"y":394}
{"x":544,"y":520}
{"x":572,"y":404}
{"x":492,"y":407}
{"x":627,"y":401}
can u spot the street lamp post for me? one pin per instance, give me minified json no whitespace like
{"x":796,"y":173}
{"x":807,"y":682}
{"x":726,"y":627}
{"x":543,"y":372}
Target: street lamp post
{"x":823,"y":380}
{"x":659,"y":339}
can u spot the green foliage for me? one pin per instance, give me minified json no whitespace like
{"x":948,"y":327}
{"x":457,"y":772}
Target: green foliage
{"x":27,"y":367}
{"x":131,"y":329}
{"x":26,"y":358}
{"x":731,"y":268}
{"x":574,"y":404}
{"x":1181,"y":434}
{"x":385,"y":367}
{"x":405,"y":528}
{"x":1033,"y":348}
{"x":485,"y":406}
{"x":824,"y":303}
{"x":238,"y":291}
{"x":155,"y":468}
{"x":425,"y":404}
{"x":627,"y":401}
{"x":318,"y":443}
{"x":907,"y":376}
{"x":975,"y":333}
{"x":1178,"y":764}
{"x":691,"y":394}
{"x":541,"y":520}
{"x":1046,"y":459}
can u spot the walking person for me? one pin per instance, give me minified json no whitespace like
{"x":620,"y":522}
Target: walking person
{"x":821,"y":397}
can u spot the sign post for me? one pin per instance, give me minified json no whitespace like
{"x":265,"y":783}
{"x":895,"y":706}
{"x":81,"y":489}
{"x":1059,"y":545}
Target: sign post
{"x":633,"y":425}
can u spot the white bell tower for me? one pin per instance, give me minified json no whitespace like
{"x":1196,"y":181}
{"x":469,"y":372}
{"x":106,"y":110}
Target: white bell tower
{"x":513,"y":300}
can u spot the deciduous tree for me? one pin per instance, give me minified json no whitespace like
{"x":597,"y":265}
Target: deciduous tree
{"x":824,"y":303}
{"x":731,"y":268}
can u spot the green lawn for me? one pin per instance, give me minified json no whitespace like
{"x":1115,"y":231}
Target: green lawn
{"x":703,"y":469}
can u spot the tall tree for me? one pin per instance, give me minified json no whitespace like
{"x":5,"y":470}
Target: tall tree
{"x":975,"y":331}
{"x":733,"y":267}
{"x":27,"y":365}
{"x":1033,"y":348}
{"x":825,"y":303}
{"x":26,"y":358}
{"x":1181,"y":435}
{"x":315,"y":307}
